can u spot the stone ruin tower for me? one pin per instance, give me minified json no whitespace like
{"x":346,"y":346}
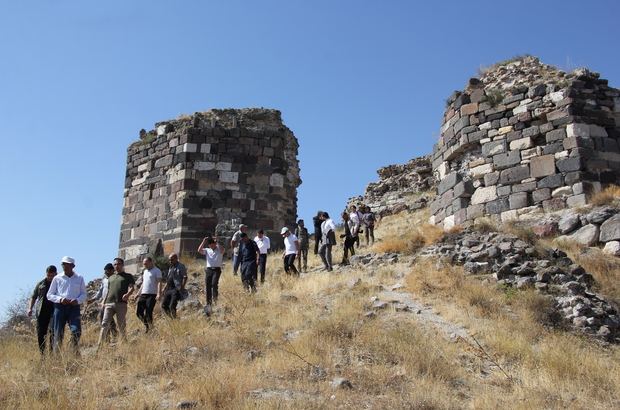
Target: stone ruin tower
{"x":205,"y":174}
{"x":525,"y":137}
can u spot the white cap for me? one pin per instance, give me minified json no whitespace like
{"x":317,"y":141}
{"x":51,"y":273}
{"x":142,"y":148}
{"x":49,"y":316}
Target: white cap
{"x":68,"y":259}
{"x":284,"y":230}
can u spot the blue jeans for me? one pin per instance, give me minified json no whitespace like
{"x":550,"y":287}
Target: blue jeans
{"x":236,"y":263}
{"x":67,"y":314}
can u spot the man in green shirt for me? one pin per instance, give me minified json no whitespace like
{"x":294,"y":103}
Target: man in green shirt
{"x":120,"y":287}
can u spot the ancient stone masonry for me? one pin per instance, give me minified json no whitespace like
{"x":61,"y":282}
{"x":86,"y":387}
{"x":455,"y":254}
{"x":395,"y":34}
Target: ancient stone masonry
{"x":205,"y":174}
{"x":525,"y":137}
{"x":394,"y":192}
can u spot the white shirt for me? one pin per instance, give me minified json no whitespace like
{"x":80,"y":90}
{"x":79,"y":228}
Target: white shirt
{"x":67,"y":287}
{"x":289,"y":244}
{"x":214,"y":257}
{"x":355,"y":223}
{"x":263,"y":244}
{"x":149,"y":281}
{"x":328,"y":225}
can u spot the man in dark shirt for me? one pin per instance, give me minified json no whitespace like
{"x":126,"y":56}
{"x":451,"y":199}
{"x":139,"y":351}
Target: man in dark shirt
{"x":175,"y":286}
{"x":120,"y":287}
{"x":44,"y":308}
{"x":250,"y":259}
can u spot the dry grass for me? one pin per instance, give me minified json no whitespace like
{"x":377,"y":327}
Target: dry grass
{"x":273,"y":351}
{"x":609,"y":196}
{"x":406,"y":237}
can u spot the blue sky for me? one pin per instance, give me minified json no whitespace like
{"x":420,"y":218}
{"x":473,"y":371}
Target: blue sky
{"x":361,"y":84}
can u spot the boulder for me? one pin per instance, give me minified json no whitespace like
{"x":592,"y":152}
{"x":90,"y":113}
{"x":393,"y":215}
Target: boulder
{"x":612,"y":248}
{"x":610,"y":230}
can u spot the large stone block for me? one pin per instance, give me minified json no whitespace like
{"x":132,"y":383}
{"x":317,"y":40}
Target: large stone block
{"x":541,"y":195}
{"x":569,"y":164}
{"x":497,"y":207}
{"x":521,"y":144}
{"x":481,"y":170}
{"x":577,"y":130}
{"x":506,"y":160}
{"x":518,"y":200}
{"x":515,"y":174}
{"x":468,"y":109}
{"x":463,"y":189}
{"x":577,"y":200}
{"x":542,"y":166}
{"x":491,"y":178}
{"x":493,"y":148}
{"x":597,"y":131}
{"x":475,"y":211}
{"x":461,"y":123}
{"x":532,"y":132}
{"x":483,"y":195}
{"x":448,"y":182}
{"x":610,"y":230}
{"x":551,"y":181}
{"x":553,"y":205}
{"x":555,"y":135}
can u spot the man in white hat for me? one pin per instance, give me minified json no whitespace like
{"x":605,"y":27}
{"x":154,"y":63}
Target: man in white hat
{"x":291,"y":251}
{"x":67,"y":292}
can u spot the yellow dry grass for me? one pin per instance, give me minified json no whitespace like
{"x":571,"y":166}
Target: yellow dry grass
{"x":269,"y":350}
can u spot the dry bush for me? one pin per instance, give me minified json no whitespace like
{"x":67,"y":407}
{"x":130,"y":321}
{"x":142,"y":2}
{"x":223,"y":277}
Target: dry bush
{"x":604,"y":267}
{"x":425,"y":278}
{"x":523,"y":231}
{"x":405,"y":233}
{"x":485,"y":225}
{"x":609,"y":196}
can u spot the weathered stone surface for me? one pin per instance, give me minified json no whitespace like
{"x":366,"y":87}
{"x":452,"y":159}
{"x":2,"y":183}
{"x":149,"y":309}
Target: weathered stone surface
{"x":569,"y":164}
{"x":552,"y":205}
{"x":493,"y":148}
{"x":481,"y":170}
{"x":555,"y":135}
{"x":610,"y":230}
{"x":506,"y":160}
{"x":521,"y":144}
{"x":561,"y":192}
{"x":483,"y":195}
{"x":587,"y":235}
{"x":612,"y":248}
{"x":568,"y":224}
{"x":497,"y":206}
{"x":551,"y":181}
{"x":518,"y":200}
{"x":541,"y":195}
{"x":449,"y":182}
{"x":463,"y":189}
{"x":546,"y":227}
{"x":542,"y":166}
{"x":515,"y":174}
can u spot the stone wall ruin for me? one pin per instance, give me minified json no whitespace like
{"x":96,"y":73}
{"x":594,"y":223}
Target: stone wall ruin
{"x":525,"y":137}
{"x":204,"y":174}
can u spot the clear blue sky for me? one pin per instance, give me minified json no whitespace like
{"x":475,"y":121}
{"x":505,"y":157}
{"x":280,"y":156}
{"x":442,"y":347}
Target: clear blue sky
{"x":361,"y":83}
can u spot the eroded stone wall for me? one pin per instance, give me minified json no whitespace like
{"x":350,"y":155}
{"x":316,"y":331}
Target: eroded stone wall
{"x":525,"y":137}
{"x":203,"y":175}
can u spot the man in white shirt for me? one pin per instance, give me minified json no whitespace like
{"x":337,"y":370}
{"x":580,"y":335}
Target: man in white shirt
{"x":291,"y":251}
{"x":213,"y":252}
{"x":328,"y":231}
{"x":263,"y":245}
{"x":67,"y":292}
{"x":149,"y":293}
{"x":356,"y":221}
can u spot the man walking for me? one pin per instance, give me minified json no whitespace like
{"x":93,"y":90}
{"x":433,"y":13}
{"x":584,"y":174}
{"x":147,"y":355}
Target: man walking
{"x":108,"y":270}
{"x":263,"y":244}
{"x":250,"y":259}
{"x":349,"y":239}
{"x":291,"y":251}
{"x":235,"y":242}
{"x":44,"y":309}
{"x":149,"y":293}
{"x":175,"y":285}
{"x":301,"y":232}
{"x":356,"y":218}
{"x":213,"y":252}
{"x":317,"y":221}
{"x":369,"y":223}
{"x":67,"y":291}
{"x":328,"y":233}
{"x":120,"y":288}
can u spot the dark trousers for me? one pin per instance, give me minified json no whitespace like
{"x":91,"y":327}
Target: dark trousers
{"x":263,"y":266}
{"x":317,"y":240}
{"x":44,"y":331}
{"x":370,"y":231}
{"x":303,"y":259}
{"x":170,"y":301}
{"x":248,"y":273}
{"x":349,"y":244}
{"x":63,"y":315}
{"x":326,"y":256}
{"x":146,"y":304}
{"x":212,"y":279}
{"x":289,"y":264}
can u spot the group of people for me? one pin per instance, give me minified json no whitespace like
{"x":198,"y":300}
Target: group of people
{"x":58,"y":297}
{"x":352,"y":222}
